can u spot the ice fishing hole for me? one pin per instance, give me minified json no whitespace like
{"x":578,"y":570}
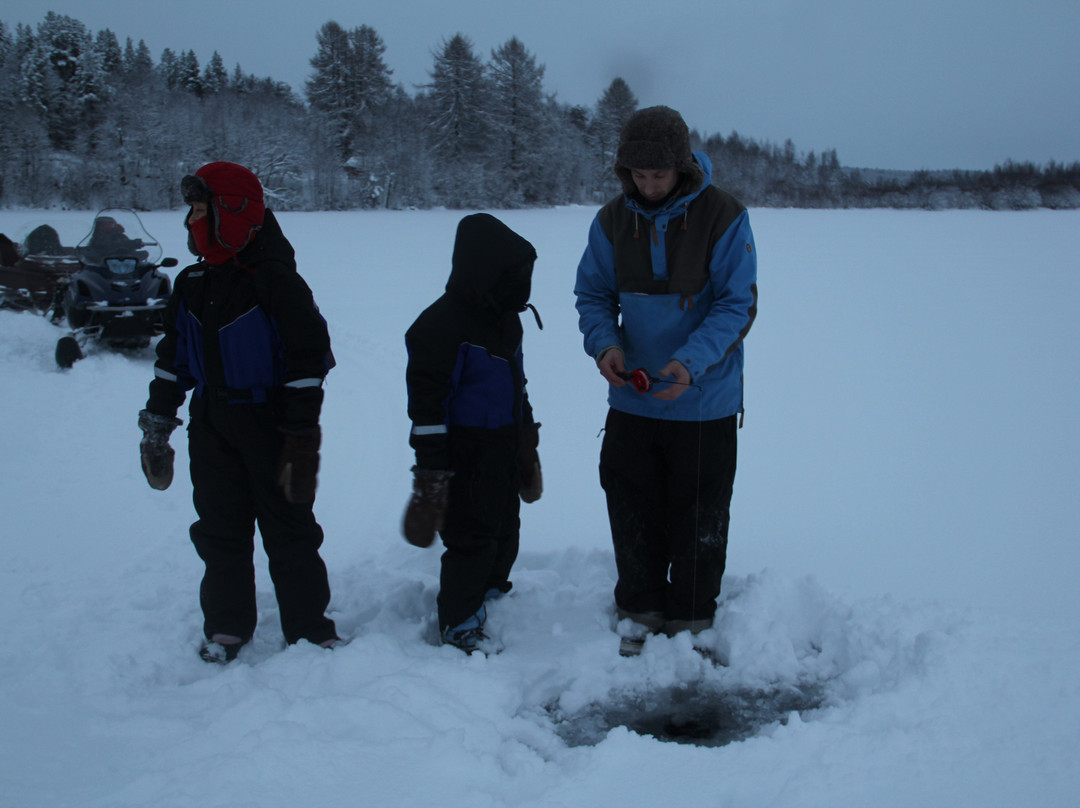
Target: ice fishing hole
{"x":697,"y":714}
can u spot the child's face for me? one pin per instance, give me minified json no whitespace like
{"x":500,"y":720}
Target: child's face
{"x":513,"y":288}
{"x":198,"y":211}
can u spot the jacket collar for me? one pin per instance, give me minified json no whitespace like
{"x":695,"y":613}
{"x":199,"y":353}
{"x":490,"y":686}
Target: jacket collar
{"x":676,"y":205}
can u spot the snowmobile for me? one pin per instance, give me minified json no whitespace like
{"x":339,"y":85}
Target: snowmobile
{"x":117,"y":297}
{"x":31,"y":272}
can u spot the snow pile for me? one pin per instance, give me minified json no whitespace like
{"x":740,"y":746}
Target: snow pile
{"x":898,"y":624}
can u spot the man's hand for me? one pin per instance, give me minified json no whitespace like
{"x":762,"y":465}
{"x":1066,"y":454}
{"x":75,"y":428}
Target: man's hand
{"x":682,"y":378}
{"x":611,"y":364}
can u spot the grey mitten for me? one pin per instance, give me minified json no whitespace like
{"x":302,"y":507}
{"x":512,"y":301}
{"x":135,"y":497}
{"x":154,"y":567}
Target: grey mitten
{"x":426,"y":510}
{"x":154,"y":449}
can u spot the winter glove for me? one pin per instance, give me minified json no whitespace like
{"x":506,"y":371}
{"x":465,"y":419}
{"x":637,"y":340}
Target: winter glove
{"x":532,"y":481}
{"x":298,"y":466}
{"x":426,"y":510}
{"x":154,"y":449}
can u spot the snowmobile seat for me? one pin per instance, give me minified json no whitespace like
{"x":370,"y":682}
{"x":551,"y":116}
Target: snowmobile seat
{"x":44,"y":240}
{"x":9,"y":253}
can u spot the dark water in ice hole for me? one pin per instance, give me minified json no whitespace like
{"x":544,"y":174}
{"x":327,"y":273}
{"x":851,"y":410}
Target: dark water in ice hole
{"x":700,"y":714}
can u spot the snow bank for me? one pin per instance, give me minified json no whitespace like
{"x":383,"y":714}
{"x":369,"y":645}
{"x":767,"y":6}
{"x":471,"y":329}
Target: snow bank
{"x":898,"y":624}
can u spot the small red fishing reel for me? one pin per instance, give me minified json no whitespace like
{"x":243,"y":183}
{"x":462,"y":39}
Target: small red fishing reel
{"x":639,"y":379}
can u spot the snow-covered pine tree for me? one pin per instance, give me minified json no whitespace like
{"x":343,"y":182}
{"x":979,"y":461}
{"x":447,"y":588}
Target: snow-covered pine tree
{"x":215,"y":78}
{"x":518,"y":126}
{"x":138,"y":63}
{"x":614,"y":108}
{"x":458,"y":125}
{"x":189,"y":74}
{"x":328,"y":87}
{"x":5,"y":44}
{"x":348,"y":90}
{"x":169,"y":68}
{"x":6,"y":101}
{"x":569,"y":169}
{"x":107,"y":47}
{"x":24,"y":143}
{"x":62,"y":79}
{"x":370,"y":89}
{"x":369,"y":77}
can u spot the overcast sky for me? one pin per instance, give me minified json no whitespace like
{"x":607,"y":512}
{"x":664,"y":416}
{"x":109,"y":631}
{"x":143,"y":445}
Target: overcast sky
{"x":931,"y":84}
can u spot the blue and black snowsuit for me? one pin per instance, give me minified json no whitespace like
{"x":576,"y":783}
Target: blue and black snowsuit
{"x":468,"y":406}
{"x":675,"y":281}
{"x":247,"y":339}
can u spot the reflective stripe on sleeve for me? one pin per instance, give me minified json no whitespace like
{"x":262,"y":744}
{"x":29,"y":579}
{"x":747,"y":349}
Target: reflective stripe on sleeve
{"x":434,"y":429}
{"x":164,"y":374}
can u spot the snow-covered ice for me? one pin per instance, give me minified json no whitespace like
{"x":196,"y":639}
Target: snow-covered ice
{"x":900,"y":620}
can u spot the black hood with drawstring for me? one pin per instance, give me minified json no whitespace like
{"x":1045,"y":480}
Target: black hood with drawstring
{"x":491,"y":267}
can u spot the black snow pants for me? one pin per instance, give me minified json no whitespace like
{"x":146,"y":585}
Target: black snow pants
{"x":482,"y":528}
{"x":668,"y":487}
{"x":234,"y":450}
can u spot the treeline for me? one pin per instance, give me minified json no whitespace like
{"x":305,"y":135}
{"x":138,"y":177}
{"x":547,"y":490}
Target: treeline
{"x":770,"y":176}
{"x":87,"y":122}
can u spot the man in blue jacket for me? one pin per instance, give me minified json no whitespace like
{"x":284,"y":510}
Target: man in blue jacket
{"x":667,"y":287}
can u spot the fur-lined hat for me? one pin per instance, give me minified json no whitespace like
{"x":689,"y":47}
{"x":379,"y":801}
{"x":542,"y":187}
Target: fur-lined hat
{"x":234,"y":197}
{"x":656,"y":138}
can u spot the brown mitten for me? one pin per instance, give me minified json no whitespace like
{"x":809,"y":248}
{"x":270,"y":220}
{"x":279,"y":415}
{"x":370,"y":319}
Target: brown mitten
{"x":427,"y":508}
{"x":154,"y":450}
{"x":532,"y":481}
{"x":298,"y":466}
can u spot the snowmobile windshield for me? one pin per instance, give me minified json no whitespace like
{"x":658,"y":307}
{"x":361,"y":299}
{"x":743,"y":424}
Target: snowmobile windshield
{"x":53,"y":240}
{"x":118,"y":241}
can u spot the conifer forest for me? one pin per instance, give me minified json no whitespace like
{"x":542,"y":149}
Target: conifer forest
{"x":88,"y":120}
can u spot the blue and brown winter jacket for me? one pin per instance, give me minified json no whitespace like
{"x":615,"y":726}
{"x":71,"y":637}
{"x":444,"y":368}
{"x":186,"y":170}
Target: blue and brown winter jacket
{"x":674,"y":282}
{"x":465,"y":376}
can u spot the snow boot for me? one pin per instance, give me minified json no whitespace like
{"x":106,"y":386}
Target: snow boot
{"x":696,"y":627}
{"x":642,"y":624}
{"x":673,"y":627}
{"x":468,"y":634}
{"x":221,"y":649}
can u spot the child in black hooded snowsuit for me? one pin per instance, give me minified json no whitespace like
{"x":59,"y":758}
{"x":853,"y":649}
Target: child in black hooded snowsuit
{"x":473,"y":430}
